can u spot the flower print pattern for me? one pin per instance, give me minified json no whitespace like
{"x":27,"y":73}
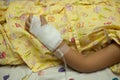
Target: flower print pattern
{"x":72,"y":40}
{"x":97,"y":9}
{"x":41,"y":73}
{"x":111,"y":18}
{"x":13,"y":36}
{"x":51,"y":19}
{"x":17,"y":25}
{"x":6,"y":77}
{"x":23,"y":17}
{"x":2,"y":55}
{"x":61,"y":70}
{"x":69,"y":7}
{"x":107,"y":23}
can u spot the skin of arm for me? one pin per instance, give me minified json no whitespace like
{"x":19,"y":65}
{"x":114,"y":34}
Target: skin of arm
{"x":104,"y":58}
{"x":101,"y":59}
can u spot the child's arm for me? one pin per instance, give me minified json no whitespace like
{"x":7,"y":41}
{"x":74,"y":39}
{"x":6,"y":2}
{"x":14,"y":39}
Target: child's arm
{"x":100,"y":60}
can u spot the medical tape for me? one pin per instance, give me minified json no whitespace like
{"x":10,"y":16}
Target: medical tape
{"x":61,"y":51}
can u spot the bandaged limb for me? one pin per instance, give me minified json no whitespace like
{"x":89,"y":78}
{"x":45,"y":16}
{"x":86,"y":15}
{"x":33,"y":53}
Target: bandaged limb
{"x":48,"y":35}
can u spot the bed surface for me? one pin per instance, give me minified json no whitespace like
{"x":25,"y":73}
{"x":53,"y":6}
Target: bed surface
{"x":55,"y":73}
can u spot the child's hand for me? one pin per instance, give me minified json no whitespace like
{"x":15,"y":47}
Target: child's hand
{"x":46,"y":33}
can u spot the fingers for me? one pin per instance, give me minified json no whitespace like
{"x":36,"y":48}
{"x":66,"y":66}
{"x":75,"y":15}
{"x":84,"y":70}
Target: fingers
{"x":30,"y":17}
{"x":43,"y":20}
{"x":28,"y":21}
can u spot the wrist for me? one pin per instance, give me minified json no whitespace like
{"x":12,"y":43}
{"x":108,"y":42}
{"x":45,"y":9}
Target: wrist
{"x":61,"y":44}
{"x":61,"y":50}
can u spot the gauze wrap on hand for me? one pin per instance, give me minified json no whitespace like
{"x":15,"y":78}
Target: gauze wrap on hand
{"x":47,"y":34}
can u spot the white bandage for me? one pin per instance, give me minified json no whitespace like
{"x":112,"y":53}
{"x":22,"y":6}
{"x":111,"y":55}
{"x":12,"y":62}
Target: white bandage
{"x":47,"y":34}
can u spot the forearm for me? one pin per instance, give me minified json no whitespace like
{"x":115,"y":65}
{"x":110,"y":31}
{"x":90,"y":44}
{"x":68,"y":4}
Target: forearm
{"x":100,"y":60}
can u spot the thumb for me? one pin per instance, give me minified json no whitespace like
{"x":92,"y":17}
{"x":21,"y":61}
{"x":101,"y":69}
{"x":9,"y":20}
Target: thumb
{"x":43,"y":20}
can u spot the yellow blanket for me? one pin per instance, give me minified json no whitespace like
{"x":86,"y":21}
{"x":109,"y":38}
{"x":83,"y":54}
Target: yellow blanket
{"x":87,"y":25}
{"x":3,"y":8}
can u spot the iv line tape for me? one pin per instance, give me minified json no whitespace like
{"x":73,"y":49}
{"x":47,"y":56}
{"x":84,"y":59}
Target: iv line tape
{"x":60,"y":52}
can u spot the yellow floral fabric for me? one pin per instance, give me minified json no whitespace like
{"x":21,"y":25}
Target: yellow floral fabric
{"x":17,"y":45}
{"x":3,"y":8}
{"x":86,"y":25}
